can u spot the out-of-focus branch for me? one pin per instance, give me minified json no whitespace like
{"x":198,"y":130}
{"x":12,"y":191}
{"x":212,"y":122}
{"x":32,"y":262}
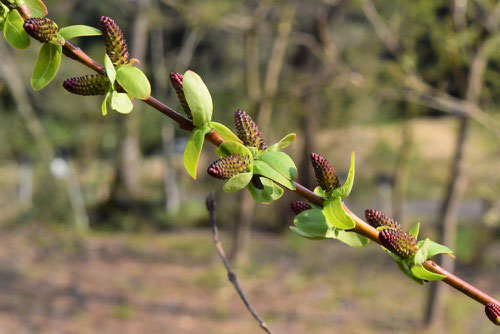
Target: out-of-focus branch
{"x":210,"y":202}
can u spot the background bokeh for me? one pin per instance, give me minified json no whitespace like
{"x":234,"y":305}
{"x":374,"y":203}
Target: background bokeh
{"x":103,"y":231}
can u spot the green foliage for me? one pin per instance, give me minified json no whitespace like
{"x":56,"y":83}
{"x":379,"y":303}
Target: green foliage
{"x":238,"y":182}
{"x":224,"y":132}
{"x":283,"y":143}
{"x":198,"y":98}
{"x":134,"y":81}
{"x":47,"y":65}
{"x":37,"y":7}
{"x":121,"y":102}
{"x":193,"y":149}
{"x":270,"y":193}
{"x":70,"y":32}
{"x":281,"y":162}
{"x":336,"y":215}
{"x":420,"y":272}
{"x":13,"y":31}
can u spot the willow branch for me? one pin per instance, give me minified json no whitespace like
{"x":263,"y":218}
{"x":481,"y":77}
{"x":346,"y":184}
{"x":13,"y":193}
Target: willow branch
{"x":361,"y":227}
{"x":210,"y":202}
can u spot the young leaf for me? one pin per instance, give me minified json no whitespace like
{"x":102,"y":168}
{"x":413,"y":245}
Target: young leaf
{"x":434,"y":248}
{"x":281,"y":162}
{"x":262,"y":168}
{"x":313,"y":223}
{"x":304,"y":234}
{"x":404,"y":268}
{"x":37,"y":8}
{"x":352,"y":239}
{"x":47,"y":65}
{"x":133,"y":81}
{"x":198,"y":98}
{"x":345,"y":190}
{"x":421,"y":254}
{"x":231,"y":147}
{"x":224,"y":132}
{"x":286,"y":141}
{"x":335,"y":214}
{"x":104,"y":108}
{"x":79,"y":31}
{"x":420,"y":272}
{"x":320,"y":192}
{"x":110,"y":69}
{"x":237,"y":182}
{"x":414,"y":230}
{"x":270,"y":193}
{"x":193,"y":150}
{"x":121,"y":103}
{"x":14,"y":32}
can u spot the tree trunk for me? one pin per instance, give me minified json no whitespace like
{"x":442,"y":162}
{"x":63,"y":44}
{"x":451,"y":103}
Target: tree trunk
{"x":447,"y":221}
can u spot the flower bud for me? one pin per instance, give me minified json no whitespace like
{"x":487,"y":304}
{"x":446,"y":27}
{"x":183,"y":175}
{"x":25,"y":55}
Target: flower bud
{"x":376,"y":219}
{"x":325,"y":174}
{"x":248,"y":131}
{"x":493,"y":313}
{"x":41,"y":29}
{"x":228,"y":166}
{"x":94,"y":84}
{"x":300,"y":206}
{"x":176,"y":80}
{"x":116,"y":46}
{"x":398,"y":242}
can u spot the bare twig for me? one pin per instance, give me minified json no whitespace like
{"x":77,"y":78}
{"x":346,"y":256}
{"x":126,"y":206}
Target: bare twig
{"x":230,"y":274}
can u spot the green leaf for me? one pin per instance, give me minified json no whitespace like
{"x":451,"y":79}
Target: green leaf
{"x":280,"y":162}
{"x":198,"y":98}
{"x":237,"y":182}
{"x":353,"y":239}
{"x":420,"y":272}
{"x":110,"y":69}
{"x":133,"y":81}
{"x":270,"y":193}
{"x":193,"y":150}
{"x":224,"y":132}
{"x":37,"y":8}
{"x":121,"y":103}
{"x":336,"y":215}
{"x":14,"y":32}
{"x":286,"y":141}
{"x":303,"y":234}
{"x":421,"y":254}
{"x":253,"y":150}
{"x":70,"y":32}
{"x":434,"y":248}
{"x":47,"y":65}
{"x":104,"y":108}
{"x":313,"y":222}
{"x":262,"y":168}
{"x":414,"y":230}
{"x":406,"y":270}
{"x":345,"y":190}
{"x":231,"y":147}
{"x":320,"y":192}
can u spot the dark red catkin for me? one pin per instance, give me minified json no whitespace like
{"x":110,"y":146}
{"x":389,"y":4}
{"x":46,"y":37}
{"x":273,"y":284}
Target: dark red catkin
{"x":41,"y":29}
{"x":493,"y":313}
{"x":398,"y":242}
{"x":300,"y":206}
{"x":94,"y":84}
{"x":325,"y":174}
{"x":176,"y":80}
{"x":376,"y":219}
{"x":229,"y":166}
{"x":248,"y":131}
{"x":116,"y":45}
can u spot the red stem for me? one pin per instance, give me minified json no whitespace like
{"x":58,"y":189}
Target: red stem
{"x":363,"y":228}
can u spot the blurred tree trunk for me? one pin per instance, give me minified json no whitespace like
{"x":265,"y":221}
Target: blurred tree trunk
{"x":402,"y":168}
{"x":126,"y":185}
{"x":447,"y":215}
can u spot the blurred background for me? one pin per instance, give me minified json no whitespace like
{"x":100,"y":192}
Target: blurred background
{"x":103,"y":231}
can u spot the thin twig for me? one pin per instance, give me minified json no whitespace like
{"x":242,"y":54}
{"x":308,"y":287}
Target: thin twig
{"x":230,"y":274}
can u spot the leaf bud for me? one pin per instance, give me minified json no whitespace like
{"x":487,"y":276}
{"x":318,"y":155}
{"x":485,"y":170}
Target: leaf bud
{"x":325,"y":174}
{"x":228,"y":166}
{"x":377,"y":219}
{"x":398,"y":242}
{"x":248,"y":132}
{"x":116,"y":45}
{"x":41,"y":29}
{"x":176,"y":80}
{"x":94,"y":84}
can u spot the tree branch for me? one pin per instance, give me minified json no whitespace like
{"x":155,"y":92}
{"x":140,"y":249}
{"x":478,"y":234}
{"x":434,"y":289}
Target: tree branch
{"x":210,"y":202}
{"x":362,"y":227}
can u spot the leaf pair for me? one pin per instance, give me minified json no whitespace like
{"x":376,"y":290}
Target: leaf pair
{"x":131,"y":79}
{"x":313,"y":224}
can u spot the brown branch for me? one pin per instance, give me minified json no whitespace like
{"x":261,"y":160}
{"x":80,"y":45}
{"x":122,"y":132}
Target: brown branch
{"x":362,"y":227}
{"x":210,"y":202}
